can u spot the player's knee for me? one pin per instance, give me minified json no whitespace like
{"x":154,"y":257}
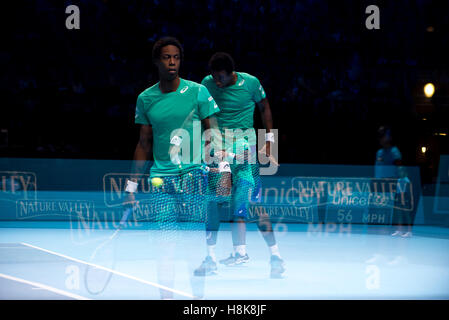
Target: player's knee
{"x":264,"y":224}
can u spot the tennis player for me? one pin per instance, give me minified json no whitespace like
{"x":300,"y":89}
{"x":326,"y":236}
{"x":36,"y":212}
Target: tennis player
{"x":389,"y":165}
{"x":167,"y":113}
{"x":236,"y":93}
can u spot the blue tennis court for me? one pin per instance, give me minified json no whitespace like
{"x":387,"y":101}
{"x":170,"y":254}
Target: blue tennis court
{"x":47,"y":260}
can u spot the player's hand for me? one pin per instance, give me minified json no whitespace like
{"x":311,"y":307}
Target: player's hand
{"x":267,"y":153}
{"x":219,"y":155}
{"x":223,"y":155}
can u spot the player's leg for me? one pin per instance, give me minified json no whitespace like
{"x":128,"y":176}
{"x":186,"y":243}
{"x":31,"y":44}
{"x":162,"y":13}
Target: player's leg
{"x":239,"y":206}
{"x":212,"y":224}
{"x":239,"y":254}
{"x":409,"y":215}
{"x":407,"y":224}
{"x":209,"y":264}
{"x":164,"y":234}
{"x":263,"y":222}
{"x":217,"y":193}
{"x":216,"y":212}
{"x":219,"y":210}
{"x":265,"y":226}
{"x":192,"y":222}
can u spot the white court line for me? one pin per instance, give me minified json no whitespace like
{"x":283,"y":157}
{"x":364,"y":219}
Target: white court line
{"x":111,"y":270}
{"x":43,"y":286}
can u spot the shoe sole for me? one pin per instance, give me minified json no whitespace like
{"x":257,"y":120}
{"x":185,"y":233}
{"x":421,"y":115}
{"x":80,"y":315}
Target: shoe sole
{"x":277,"y":275}
{"x":236,"y":263}
{"x":210,"y":273}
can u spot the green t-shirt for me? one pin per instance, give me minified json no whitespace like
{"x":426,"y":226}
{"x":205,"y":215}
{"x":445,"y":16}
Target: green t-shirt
{"x":178,"y":113}
{"x":237,"y":103}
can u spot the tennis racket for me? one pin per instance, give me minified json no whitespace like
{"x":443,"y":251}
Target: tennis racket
{"x":102,"y":261}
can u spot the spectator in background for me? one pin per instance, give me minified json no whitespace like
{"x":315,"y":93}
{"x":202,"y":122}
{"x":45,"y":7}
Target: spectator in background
{"x":388,"y":157}
{"x":389,"y":165}
{"x":388,"y":160}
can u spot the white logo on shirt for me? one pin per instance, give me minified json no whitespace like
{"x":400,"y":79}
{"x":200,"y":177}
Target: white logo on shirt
{"x":184,"y":89}
{"x":176,"y":140}
{"x":210,"y":98}
{"x":215,"y":106}
{"x":242,"y":82}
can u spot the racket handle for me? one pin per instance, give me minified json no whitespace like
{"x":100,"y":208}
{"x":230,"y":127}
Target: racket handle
{"x":125,"y":216}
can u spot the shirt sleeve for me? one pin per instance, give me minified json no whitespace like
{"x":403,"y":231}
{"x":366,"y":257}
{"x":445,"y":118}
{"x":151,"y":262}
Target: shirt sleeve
{"x":206,"y":103}
{"x":257,"y":91}
{"x":396,"y":154}
{"x":379,"y":155}
{"x":141,"y":117}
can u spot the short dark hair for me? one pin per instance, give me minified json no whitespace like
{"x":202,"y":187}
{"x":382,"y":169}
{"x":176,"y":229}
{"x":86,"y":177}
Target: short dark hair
{"x":165,"y":41}
{"x":384,"y":131}
{"x":221,"y":61}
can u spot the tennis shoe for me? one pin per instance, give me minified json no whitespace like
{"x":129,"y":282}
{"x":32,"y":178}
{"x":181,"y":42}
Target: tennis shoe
{"x":234,"y":260}
{"x":407,"y":235}
{"x":277,"y":267}
{"x":207,"y":268}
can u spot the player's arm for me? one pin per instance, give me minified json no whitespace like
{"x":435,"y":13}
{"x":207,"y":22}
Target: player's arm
{"x":210,"y":123}
{"x":214,"y":143}
{"x":267,"y":121}
{"x":144,"y":146}
{"x":397,"y":157}
{"x":265,"y":111}
{"x":224,"y":182}
{"x":208,"y":110}
{"x":143,"y":150}
{"x":142,"y":154}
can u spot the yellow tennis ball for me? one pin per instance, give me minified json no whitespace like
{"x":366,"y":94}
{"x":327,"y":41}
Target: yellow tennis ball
{"x":157,"y":182}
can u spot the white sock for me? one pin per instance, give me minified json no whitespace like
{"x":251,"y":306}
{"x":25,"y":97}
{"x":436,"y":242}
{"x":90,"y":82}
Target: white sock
{"x":211,"y":252}
{"x":241,"y":249}
{"x":274,"y":250}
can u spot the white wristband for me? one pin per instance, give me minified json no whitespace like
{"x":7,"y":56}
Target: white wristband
{"x":131,"y":186}
{"x":224,"y":167}
{"x":269,"y":137}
